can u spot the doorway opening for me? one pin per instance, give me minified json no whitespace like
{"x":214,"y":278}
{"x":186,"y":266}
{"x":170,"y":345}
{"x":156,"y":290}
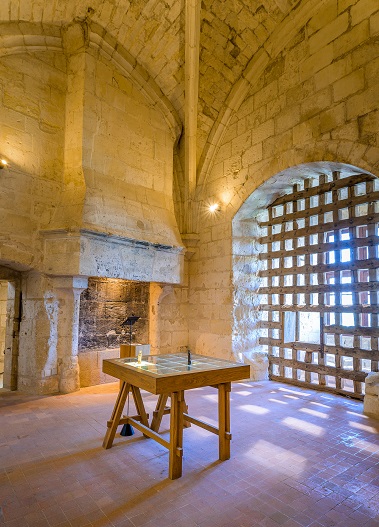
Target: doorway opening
{"x":3,"y":325}
{"x":10,"y":317}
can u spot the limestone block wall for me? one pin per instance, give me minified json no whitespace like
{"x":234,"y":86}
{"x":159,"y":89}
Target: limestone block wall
{"x":210,"y":289}
{"x":32,"y":109}
{"x":314,"y":99}
{"x":38,"y":354}
{"x":171,"y":330}
{"x":127,"y":159}
{"x":88,"y":192}
{"x":91,"y":366}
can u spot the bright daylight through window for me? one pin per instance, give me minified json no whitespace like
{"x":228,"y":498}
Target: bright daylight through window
{"x":320,"y":261}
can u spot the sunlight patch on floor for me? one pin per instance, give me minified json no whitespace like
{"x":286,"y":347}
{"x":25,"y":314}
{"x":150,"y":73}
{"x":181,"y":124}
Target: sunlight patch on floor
{"x":278,"y":401}
{"x":211,"y":397}
{"x":309,"y":411}
{"x":361,"y":426}
{"x":320,"y":404}
{"x":275,"y":457}
{"x":253,"y":409}
{"x":362,"y":416}
{"x":295,"y":392}
{"x":303,"y":426}
{"x":367,"y":446}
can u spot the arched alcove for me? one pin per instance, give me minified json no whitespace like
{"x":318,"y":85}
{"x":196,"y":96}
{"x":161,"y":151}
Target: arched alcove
{"x":258,"y":230}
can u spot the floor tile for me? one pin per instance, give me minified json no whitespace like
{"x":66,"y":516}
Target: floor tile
{"x":299,"y":458}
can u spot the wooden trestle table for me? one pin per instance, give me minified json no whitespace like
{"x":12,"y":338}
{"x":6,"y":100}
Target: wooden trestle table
{"x":169,"y":376}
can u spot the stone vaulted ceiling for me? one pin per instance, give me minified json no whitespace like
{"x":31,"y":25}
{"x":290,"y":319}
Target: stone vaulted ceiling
{"x":153,"y":32}
{"x":231,"y":33}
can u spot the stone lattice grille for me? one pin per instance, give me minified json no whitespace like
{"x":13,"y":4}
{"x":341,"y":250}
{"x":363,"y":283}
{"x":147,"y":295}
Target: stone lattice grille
{"x":319,"y":294}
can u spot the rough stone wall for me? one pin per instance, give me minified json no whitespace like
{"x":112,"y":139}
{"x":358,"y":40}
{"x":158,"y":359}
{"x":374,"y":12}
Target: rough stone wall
{"x":172,"y":320}
{"x":105,"y":305}
{"x":210,"y":290}
{"x":315,"y":101}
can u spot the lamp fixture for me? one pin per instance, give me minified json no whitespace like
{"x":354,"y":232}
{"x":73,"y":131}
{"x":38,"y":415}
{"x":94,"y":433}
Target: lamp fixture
{"x":214,"y":208}
{"x":3,"y":163}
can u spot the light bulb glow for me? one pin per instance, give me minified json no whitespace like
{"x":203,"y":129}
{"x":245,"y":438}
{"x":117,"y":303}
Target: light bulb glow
{"x":214,"y":207}
{"x":4,"y":162}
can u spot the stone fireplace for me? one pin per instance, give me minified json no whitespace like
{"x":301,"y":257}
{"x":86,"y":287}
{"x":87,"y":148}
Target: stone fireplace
{"x":104,"y":307}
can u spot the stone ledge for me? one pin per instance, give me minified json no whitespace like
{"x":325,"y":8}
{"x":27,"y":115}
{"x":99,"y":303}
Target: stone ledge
{"x":85,"y":252}
{"x":371,"y":399}
{"x":90,"y":366}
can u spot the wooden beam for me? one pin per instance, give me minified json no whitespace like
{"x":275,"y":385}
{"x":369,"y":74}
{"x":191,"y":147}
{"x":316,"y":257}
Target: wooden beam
{"x":333,"y":350}
{"x":373,"y":308}
{"x":201,"y":424}
{"x":322,"y":268}
{"x":149,"y":433}
{"x":325,"y":248}
{"x":313,"y":386}
{"x":314,"y":211}
{"x":326,"y":288}
{"x":318,"y":368}
{"x":373,"y":219}
{"x":323,"y":187}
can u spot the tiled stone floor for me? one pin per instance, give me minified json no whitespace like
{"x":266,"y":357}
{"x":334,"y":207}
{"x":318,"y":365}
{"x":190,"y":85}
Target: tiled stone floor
{"x":299,"y":458}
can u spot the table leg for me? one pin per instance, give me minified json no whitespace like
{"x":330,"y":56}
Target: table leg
{"x":176,"y":435}
{"x":186,"y":424}
{"x":159,"y":411}
{"x":116,"y":414}
{"x":224,"y":435}
{"x":140,"y":406}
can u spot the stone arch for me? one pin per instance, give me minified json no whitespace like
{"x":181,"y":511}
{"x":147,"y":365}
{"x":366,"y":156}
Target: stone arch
{"x":32,"y":37}
{"x":266,"y":179}
{"x":106,"y":44}
{"x":245,"y":256}
{"x":21,"y":37}
{"x":253,"y":72}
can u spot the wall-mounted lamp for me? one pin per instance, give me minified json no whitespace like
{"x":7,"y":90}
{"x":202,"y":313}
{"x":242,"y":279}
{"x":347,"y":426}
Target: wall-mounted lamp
{"x":3,"y":163}
{"x":215,"y":207}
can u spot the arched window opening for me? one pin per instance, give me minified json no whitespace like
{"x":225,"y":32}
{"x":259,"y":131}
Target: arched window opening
{"x":319,"y":283}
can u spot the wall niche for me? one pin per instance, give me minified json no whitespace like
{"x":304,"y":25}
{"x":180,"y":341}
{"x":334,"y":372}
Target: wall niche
{"x":105,"y":305}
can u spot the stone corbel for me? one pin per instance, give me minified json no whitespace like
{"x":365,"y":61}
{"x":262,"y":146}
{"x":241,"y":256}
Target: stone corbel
{"x":190,"y":241}
{"x":75,"y":37}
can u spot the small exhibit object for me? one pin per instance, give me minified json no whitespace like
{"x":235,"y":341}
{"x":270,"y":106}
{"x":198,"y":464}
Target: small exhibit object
{"x":132,"y":350}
